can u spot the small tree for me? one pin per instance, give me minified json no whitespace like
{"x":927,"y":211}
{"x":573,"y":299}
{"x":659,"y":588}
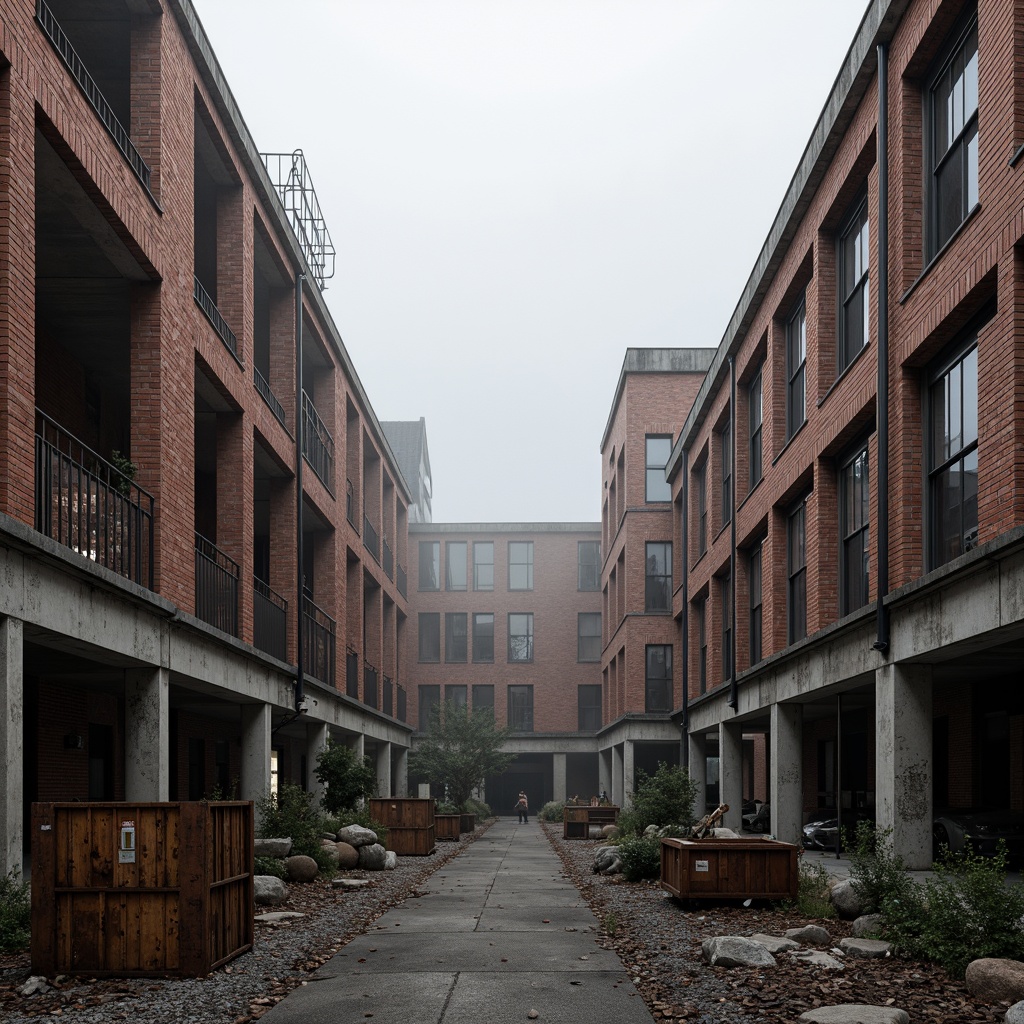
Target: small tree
{"x":664,"y":798}
{"x":348,"y":778}
{"x":460,"y":750}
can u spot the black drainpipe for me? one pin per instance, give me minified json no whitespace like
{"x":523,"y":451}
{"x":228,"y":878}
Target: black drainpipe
{"x":684,"y":748}
{"x":882,"y":399}
{"x":300,"y":693}
{"x":734,"y":699}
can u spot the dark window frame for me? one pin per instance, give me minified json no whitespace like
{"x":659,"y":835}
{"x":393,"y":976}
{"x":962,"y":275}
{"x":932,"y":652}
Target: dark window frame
{"x":480,"y":638}
{"x":702,"y":644}
{"x":702,"y":508}
{"x":480,"y":693}
{"x":520,"y":718}
{"x":589,"y":712}
{"x":585,"y":645}
{"x":725,"y":595}
{"x":725,"y":447}
{"x":854,"y":246}
{"x":796,"y":571}
{"x":656,"y":583}
{"x":654,"y":472}
{"x":854,"y":530}
{"x":479,"y":566}
{"x":453,"y":641}
{"x":425,"y":618}
{"x":755,"y":427}
{"x":658,"y":685}
{"x":756,"y":589}
{"x":434,"y":562}
{"x":425,"y":707}
{"x":525,"y":565}
{"x":588,"y":570}
{"x":524,"y":657}
{"x":449,"y":545}
{"x":796,"y":368}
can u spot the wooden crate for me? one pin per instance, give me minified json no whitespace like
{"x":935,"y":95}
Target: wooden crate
{"x":729,"y":869}
{"x":467,"y":822}
{"x":576,"y":823}
{"x":447,"y":826}
{"x":411,"y":842}
{"x":403,"y":812}
{"x":129,"y":889}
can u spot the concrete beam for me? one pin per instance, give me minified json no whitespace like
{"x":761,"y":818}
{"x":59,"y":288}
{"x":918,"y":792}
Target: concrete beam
{"x":146,"y":734}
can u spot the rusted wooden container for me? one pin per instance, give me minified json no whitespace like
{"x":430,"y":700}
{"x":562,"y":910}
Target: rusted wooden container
{"x":467,"y":822}
{"x":729,"y":869}
{"x":148,"y":889}
{"x":410,"y":824}
{"x":447,"y":826}
{"x":576,"y":823}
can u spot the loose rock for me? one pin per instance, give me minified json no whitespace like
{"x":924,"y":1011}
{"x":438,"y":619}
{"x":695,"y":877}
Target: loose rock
{"x":357,"y":835}
{"x":300,"y":868}
{"x":810,"y":934}
{"x":854,"y":1013}
{"x":268,"y":890}
{"x":735,"y":951}
{"x":273,"y":847}
{"x":996,"y":980}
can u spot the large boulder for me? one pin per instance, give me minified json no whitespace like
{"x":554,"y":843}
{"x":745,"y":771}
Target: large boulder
{"x":607,"y":860}
{"x":357,"y":835}
{"x":995,"y":980}
{"x":372,"y":857}
{"x":867,"y":926}
{"x":348,"y":856}
{"x":300,"y":868}
{"x":390,"y":860}
{"x":774,"y":944}
{"x":865,"y":949}
{"x":269,"y":890}
{"x":330,"y":848}
{"x":273,"y":847}
{"x":735,"y":951}
{"x":855,"y":1013}
{"x":810,"y":935}
{"x":610,"y":831}
{"x":846,"y":900}
{"x":1015,"y":1014}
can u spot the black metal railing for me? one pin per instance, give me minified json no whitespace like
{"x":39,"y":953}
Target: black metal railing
{"x":90,"y":506}
{"x":369,"y":686}
{"x":317,"y":642}
{"x":388,"y":560}
{"x":263,"y":387}
{"x":370,"y":539}
{"x":402,"y":581}
{"x":350,"y":504}
{"x":317,"y":443}
{"x":92,"y":93}
{"x":387,"y":698}
{"x":270,"y":620}
{"x":216,"y":586}
{"x":401,"y":703}
{"x":352,"y":673}
{"x":212,"y":313}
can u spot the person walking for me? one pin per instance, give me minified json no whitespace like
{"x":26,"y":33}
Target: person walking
{"x":523,"y":808}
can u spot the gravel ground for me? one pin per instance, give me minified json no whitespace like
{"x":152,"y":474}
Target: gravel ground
{"x":657,"y":938}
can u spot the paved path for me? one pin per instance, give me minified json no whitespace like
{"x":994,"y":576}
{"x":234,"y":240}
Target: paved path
{"x":495,"y":933}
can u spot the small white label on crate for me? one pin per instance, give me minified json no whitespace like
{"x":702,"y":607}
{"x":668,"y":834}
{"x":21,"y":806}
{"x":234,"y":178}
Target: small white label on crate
{"x":701,"y":865}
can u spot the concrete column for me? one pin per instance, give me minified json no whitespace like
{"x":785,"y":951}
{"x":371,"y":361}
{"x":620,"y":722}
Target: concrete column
{"x":317,"y":737}
{"x":401,"y":772}
{"x":903,"y":760}
{"x":785,"y":787}
{"x":730,"y":769}
{"x":558,"y":766}
{"x":12,"y":743}
{"x":146,"y":734}
{"x":628,"y":774}
{"x":699,"y":771}
{"x":604,"y":772}
{"x":617,"y":794}
{"x":358,"y":744}
{"x":256,"y":725}
{"x":383,"y":769}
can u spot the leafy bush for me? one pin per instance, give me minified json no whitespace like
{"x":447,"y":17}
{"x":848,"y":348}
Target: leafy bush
{"x":349,"y":779}
{"x":291,"y":813}
{"x":641,"y":857}
{"x":878,"y":873}
{"x":812,"y":894}
{"x":967,"y":912}
{"x":664,"y":798}
{"x":551,"y":811}
{"x":15,"y":913}
{"x":478,"y":809}
{"x":269,"y":866}
{"x":445,"y":807}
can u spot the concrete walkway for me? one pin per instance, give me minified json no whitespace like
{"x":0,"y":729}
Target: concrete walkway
{"x":497,"y":932}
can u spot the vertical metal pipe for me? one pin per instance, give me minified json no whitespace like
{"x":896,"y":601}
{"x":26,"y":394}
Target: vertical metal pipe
{"x":882,"y":398}
{"x":684,"y":751}
{"x":299,"y":427}
{"x":734,"y":699}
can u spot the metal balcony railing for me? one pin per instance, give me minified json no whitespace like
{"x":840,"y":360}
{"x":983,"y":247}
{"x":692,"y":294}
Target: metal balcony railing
{"x":370,"y":539}
{"x":89,"y":506}
{"x":270,"y":620}
{"x":91,"y":91}
{"x":350,"y":504}
{"x":370,"y":686}
{"x":263,"y":387}
{"x":216,"y":587}
{"x":389,"y":559}
{"x":317,"y":443}
{"x":212,"y":313}
{"x":352,"y":674}
{"x":402,"y":581}
{"x":318,"y":642}
{"x":387,"y":699}
{"x":401,"y":704}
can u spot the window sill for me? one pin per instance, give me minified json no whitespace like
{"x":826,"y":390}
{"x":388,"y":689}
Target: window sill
{"x":843,"y":374}
{"x":749,"y":494}
{"x":796,"y":433}
{"x":942,"y":252}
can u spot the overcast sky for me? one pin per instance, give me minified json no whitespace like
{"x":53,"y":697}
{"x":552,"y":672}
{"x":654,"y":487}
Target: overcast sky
{"x":520,"y":190}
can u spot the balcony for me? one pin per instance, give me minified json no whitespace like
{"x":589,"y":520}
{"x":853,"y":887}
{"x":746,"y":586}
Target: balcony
{"x":389,"y":560}
{"x":51,"y":27}
{"x":216,"y":587}
{"x":370,"y":686}
{"x":318,"y":630}
{"x":91,"y":507}
{"x":350,"y":505}
{"x":263,"y":387}
{"x":317,"y":444}
{"x":401,"y":703}
{"x":403,"y":581}
{"x":270,"y":621}
{"x":212,"y":313}
{"x":387,"y":698}
{"x":370,"y":539}
{"x":351,"y":674}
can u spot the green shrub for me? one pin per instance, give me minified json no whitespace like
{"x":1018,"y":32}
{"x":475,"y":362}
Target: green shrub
{"x":552,"y":810}
{"x":445,"y":807}
{"x":269,"y":866}
{"x":664,"y":798}
{"x":478,"y":809}
{"x":878,"y":873}
{"x":641,"y":857}
{"x":291,"y":813}
{"x":15,"y":913}
{"x":812,"y":894}
{"x":348,"y":778}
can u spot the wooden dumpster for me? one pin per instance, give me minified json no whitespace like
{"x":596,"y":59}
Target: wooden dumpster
{"x":410,"y":824}
{"x":577,"y":819}
{"x":140,"y":889}
{"x":467,"y":822}
{"x":447,"y":826}
{"x":738,"y":869}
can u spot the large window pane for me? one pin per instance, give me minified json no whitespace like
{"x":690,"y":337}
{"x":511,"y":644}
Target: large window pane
{"x":455,"y":565}
{"x":430,"y":636}
{"x":520,"y":636}
{"x":588,"y":638}
{"x":658,"y":678}
{"x":430,"y":565}
{"x":483,"y":637}
{"x":483,"y":565}
{"x":658,"y":450}
{"x":520,"y":708}
{"x":455,"y":636}
{"x":520,"y":565}
{"x":658,"y":593}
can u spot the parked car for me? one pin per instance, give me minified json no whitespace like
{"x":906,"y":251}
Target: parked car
{"x":981,"y":830}
{"x":822,"y":834}
{"x":760,"y":820}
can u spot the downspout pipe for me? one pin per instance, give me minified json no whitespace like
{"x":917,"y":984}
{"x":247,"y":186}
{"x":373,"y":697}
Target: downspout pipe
{"x":881,"y":643}
{"x":734,"y":698}
{"x":684,"y":749}
{"x":300,"y":692}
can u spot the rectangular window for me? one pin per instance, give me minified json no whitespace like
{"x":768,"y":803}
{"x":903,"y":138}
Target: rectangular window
{"x":756,"y":602}
{"x":854,"y":502}
{"x":725,"y":591}
{"x":483,"y":565}
{"x":953,"y":134}
{"x":796,"y":571}
{"x":658,"y":680}
{"x":755,"y":415}
{"x":702,"y":509}
{"x":483,"y":697}
{"x":658,"y":590}
{"x":430,"y":565}
{"x":588,"y":704}
{"x":702,"y":644}
{"x":588,"y":636}
{"x":796,"y":359}
{"x":854,"y":263}
{"x":520,"y":636}
{"x":456,"y":696}
{"x":520,"y":565}
{"x":455,"y":637}
{"x":520,"y":708}
{"x":588,"y":564}
{"x":455,"y":565}
{"x":658,"y":450}
{"x":483,"y":637}
{"x":429,"y":706}
{"x":725,"y":444}
{"x":430,"y":636}
{"x":953,"y":455}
